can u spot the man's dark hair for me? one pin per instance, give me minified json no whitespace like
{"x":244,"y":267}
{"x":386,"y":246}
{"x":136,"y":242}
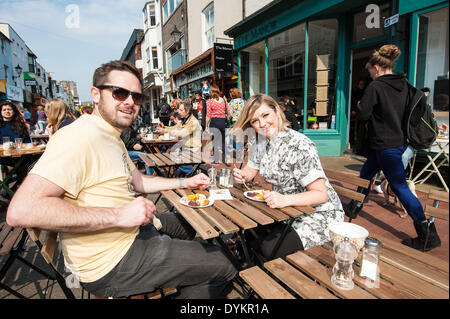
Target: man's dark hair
{"x":101,"y":73}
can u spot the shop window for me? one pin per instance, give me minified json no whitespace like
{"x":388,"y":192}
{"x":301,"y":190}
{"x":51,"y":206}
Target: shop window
{"x":365,"y":26}
{"x":432,"y":58}
{"x":252,"y":70}
{"x":286,"y":65}
{"x":321,"y":87}
{"x":152,"y":14}
{"x":155,"y":57}
{"x":208,"y":27}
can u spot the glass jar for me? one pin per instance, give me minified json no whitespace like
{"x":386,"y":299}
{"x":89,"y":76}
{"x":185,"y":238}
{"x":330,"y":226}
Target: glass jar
{"x":225,"y":177}
{"x":345,"y":254}
{"x":369,"y":261}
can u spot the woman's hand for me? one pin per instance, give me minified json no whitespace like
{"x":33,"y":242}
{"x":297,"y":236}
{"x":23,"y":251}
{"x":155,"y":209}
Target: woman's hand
{"x":49,"y":129}
{"x":159,"y":130}
{"x":275,"y":200}
{"x":239,"y":176}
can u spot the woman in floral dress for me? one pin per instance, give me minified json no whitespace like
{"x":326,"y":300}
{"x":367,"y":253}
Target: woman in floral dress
{"x":290,"y":162}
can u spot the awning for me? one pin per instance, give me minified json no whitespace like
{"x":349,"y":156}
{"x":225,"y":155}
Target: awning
{"x":408,"y":6}
{"x":2,"y":85}
{"x":193,"y":62}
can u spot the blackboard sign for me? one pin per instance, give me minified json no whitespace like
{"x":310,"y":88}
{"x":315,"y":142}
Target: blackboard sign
{"x":223,"y":58}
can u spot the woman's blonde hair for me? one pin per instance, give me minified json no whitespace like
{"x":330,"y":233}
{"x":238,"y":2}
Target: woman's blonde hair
{"x":384,"y":57}
{"x":56,"y":111}
{"x":250,"y":107}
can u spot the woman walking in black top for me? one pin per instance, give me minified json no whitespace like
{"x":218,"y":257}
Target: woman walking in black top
{"x":383,"y":105}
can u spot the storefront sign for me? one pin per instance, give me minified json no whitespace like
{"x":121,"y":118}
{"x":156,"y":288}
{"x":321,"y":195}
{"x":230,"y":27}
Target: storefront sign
{"x":30,"y":82}
{"x":257,"y":33}
{"x":194,"y":74}
{"x":14,"y":93}
{"x":223,"y":58}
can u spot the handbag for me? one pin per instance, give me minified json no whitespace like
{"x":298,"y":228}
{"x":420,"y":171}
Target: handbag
{"x":228,"y":118}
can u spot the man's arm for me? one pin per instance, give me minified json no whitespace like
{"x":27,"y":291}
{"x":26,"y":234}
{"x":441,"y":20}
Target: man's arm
{"x":38,"y":203}
{"x":152,"y":184}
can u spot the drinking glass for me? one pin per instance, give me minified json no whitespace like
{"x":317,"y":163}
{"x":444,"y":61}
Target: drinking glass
{"x":6,"y":144}
{"x":212,"y":173}
{"x":18,"y":142}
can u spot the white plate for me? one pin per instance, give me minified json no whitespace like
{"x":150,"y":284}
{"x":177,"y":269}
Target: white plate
{"x":259,"y":191}
{"x":185,"y":201}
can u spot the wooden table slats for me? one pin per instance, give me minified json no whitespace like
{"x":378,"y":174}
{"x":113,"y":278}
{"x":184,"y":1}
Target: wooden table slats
{"x":203,"y":228}
{"x":234,"y":215}
{"x":156,"y":160}
{"x":264,"y":285}
{"x":250,"y":211}
{"x":316,"y":270}
{"x":273,"y":213}
{"x":417,"y":268}
{"x":412,"y":253}
{"x":214,"y":217}
{"x":297,"y":281}
{"x":385,"y":290}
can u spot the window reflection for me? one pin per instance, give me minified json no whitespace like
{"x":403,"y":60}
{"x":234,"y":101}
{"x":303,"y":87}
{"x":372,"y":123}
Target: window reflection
{"x":286,"y":66}
{"x":252,"y":70}
{"x":322,"y":56}
{"x":432,"y":58}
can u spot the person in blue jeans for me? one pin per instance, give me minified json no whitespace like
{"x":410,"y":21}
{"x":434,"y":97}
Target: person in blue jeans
{"x":132,"y":142}
{"x":383,"y":105}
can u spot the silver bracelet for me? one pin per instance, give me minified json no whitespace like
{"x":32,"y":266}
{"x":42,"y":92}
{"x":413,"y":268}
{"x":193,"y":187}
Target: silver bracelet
{"x":182,"y":182}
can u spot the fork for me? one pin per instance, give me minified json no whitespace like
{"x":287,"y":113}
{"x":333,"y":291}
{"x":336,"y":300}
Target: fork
{"x":243,"y":180}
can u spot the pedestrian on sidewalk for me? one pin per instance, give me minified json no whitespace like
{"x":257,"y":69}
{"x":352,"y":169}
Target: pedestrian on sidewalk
{"x":383,"y":105}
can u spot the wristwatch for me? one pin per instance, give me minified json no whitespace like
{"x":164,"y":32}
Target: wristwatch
{"x":182,"y":182}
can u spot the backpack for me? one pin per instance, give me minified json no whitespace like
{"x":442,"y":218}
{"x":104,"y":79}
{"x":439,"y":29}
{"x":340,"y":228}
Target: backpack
{"x":420,"y":126}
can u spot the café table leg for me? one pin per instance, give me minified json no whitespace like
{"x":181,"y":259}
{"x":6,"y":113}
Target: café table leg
{"x":244,"y":247}
{"x":233,"y":259}
{"x":280,"y":241}
{"x":9,"y":176}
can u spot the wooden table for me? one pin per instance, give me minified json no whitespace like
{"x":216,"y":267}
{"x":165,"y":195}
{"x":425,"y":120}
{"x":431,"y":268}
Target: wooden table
{"x":39,"y":138}
{"x":405,"y":273}
{"x":164,"y":164}
{"x":17,"y":160}
{"x":152,"y":146}
{"x":231,"y":217}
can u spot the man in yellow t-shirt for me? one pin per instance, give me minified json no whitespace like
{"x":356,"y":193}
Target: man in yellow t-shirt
{"x":84,"y":187}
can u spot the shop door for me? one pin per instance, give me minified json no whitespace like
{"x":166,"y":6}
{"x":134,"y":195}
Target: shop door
{"x":359,"y":80}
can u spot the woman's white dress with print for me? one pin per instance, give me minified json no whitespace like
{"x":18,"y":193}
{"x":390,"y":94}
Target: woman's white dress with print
{"x":290,"y":162}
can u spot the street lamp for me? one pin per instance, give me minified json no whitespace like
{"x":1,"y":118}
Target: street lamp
{"x":18,"y":69}
{"x":175,"y":34}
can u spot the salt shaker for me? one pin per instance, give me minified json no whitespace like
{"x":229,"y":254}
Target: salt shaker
{"x":369,"y":262}
{"x":345,"y":253}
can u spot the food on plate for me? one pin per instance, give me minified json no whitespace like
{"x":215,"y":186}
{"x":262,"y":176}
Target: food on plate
{"x":195,"y":200}
{"x":256,"y":195}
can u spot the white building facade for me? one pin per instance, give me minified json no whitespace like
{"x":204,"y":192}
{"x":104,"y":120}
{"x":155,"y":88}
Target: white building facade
{"x":152,"y":62}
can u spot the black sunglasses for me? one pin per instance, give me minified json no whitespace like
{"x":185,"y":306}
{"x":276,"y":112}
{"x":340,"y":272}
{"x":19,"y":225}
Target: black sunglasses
{"x":121,"y":94}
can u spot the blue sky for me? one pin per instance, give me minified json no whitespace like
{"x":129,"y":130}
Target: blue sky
{"x":71,"y":50}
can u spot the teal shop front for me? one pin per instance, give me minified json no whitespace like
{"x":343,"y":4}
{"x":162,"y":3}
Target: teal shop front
{"x":314,"y":52}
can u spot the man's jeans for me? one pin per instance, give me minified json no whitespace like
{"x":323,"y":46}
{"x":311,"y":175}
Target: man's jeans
{"x":390,"y":162}
{"x":155,"y":260}
{"x":134,"y":155}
